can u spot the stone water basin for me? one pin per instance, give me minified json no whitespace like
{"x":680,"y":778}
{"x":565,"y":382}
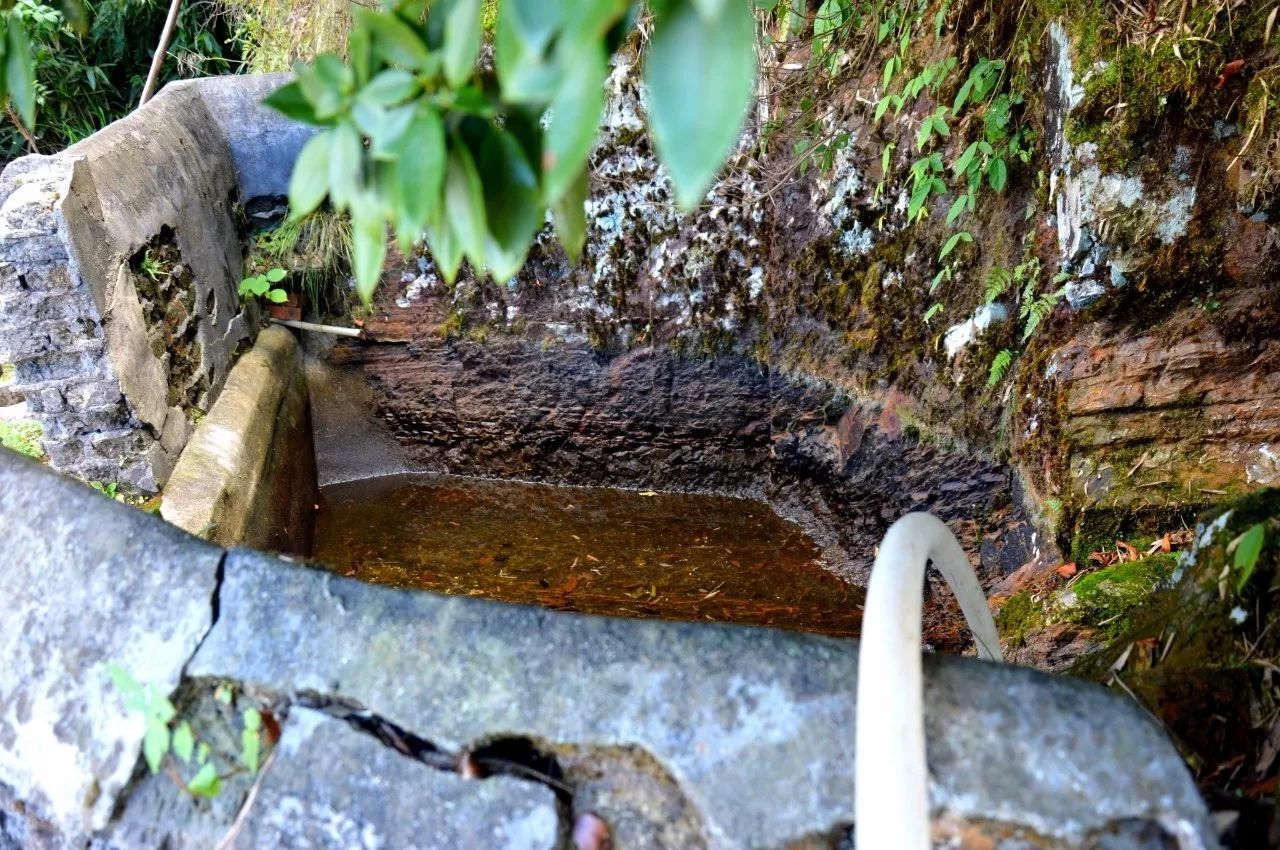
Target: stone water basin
{"x":674,"y":556}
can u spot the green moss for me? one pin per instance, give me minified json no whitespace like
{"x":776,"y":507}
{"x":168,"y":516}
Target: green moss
{"x":22,"y":436}
{"x":1019,"y":615}
{"x":1108,"y":597}
{"x":455,"y":325}
{"x":1098,"y":529}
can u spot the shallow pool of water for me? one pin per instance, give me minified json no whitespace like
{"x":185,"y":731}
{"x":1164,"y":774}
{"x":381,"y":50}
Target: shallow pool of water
{"x":601,"y":551}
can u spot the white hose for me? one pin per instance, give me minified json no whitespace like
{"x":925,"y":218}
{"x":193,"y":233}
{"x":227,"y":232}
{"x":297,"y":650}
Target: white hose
{"x":891,"y":792}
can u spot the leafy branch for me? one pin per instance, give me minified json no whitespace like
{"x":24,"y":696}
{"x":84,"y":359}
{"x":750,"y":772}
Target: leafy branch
{"x":416,"y":136}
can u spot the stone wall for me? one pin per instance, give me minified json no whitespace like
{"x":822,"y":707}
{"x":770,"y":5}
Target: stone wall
{"x":494,"y":725}
{"x":120,"y":260}
{"x":526,"y":399}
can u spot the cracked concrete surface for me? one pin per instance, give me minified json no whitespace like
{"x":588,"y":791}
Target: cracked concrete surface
{"x":715,"y":736}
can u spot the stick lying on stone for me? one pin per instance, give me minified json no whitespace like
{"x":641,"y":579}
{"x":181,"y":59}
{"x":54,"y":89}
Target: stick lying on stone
{"x":891,"y":806}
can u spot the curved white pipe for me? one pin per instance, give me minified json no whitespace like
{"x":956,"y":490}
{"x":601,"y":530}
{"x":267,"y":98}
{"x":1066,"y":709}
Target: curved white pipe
{"x":891,"y":792}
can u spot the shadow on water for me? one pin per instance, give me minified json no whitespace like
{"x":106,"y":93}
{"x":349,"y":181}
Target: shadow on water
{"x":672,"y":556}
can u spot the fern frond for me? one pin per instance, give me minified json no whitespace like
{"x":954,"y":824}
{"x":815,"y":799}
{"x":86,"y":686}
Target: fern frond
{"x":998,"y":282}
{"x":999,"y":367}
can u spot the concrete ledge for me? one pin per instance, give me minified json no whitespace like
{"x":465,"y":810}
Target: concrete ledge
{"x":247,"y":476}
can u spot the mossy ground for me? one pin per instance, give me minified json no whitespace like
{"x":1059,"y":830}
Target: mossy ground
{"x":22,"y":436}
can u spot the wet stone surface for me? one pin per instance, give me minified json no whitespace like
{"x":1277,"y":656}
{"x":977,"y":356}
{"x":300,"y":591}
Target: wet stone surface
{"x":596,"y":550}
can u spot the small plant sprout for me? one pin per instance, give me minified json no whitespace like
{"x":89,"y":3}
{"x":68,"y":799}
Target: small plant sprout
{"x":261,"y":286}
{"x":171,"y":743}
{"x":152,"y":266}
{"x":111,"y":490}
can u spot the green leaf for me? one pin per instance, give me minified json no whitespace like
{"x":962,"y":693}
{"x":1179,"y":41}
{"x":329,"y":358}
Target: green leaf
{"x":184,"y":741}
{"x":394,"y":40}
{"x":881,"y":108}
{"x":890,"y":68}
{"x":931,"y":312}
{"x":943,"y":274}
{"x":419,"y":172}
{"x":956,"y":239}
{"x":345,"y":154}
{"x":535,"y":22}
{"x":390,"y":88}
{"x":962,"y":96}
{"x":574,"y":119}
{"x":289,"y":101}
{"x":446,"y":249}
{"x":918,"y":198}
{"x":276,"y":275}
{"x":384,"y":127}
{"x":957,"y":208}
{"x":134,"y":698}
{"x":1248,"y":547}
{"x":464,"y":204}
{"x":461,"y":40}
{"x":512,"y":202}
{"x":277,"y":296}
{"x":368,"y":243}
{"x":997,"y":174}
{"x":251,"y":739}
{"x":526,"y":73}
{"x":570,"y":216}
{"x":967,"y":159}
{"x":360,"y":53}
{"x":326,"y":84}
{"x":155,"y":743}
{"x":206,"y":782}
{"x":309,"y":182}
{"x":20,"y":72}
{"x":699,"y":77}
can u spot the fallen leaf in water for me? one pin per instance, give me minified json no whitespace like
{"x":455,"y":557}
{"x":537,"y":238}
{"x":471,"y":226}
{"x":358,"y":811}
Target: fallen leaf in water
{"x":1067,"y":570}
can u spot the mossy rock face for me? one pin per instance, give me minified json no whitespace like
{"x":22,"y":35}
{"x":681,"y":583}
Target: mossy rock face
{"x":1198,"y":651}
{"x":1108,"y":597}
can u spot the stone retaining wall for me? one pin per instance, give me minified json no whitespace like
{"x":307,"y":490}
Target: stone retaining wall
{"x":120,"y":260}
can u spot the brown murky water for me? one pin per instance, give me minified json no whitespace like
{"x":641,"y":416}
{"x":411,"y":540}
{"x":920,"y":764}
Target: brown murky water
{"x":665,"y":555}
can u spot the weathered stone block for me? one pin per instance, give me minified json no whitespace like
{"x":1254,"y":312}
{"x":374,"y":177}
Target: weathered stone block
{"x":86,"y":585}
